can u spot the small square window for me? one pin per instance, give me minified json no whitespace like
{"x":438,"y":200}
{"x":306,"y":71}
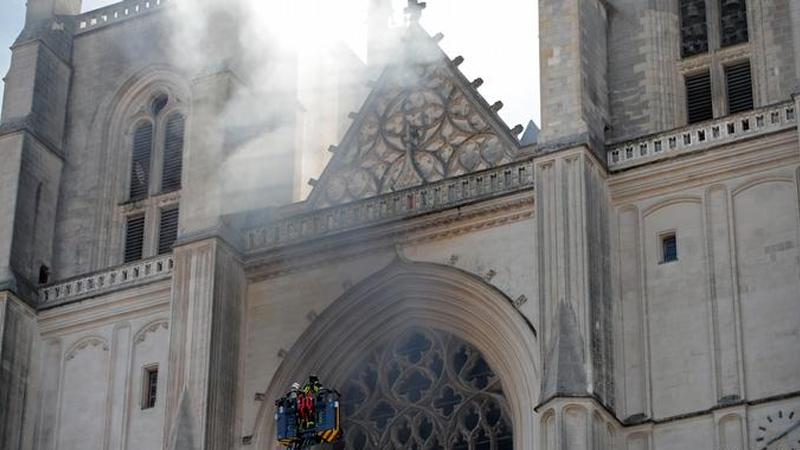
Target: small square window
{"x":150,"y":387}
{"x":669,"y":248}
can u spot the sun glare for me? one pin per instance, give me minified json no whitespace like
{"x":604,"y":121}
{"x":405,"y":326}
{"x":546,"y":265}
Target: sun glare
{"x":311,"y":26}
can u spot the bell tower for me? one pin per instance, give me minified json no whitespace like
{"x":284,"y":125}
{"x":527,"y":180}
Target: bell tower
{"x":39,"y":10}
{"x":31,"y":141}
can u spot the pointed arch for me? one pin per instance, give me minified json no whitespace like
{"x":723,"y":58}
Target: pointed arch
{"x":151,"y":327}
{"x":93,"y":341}
{"x":408,"y":294}
{"x":112,"y":130}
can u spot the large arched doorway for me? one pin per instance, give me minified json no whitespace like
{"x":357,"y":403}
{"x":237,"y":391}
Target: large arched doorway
{"x":425,"y":389}
{"x":426,"y":356}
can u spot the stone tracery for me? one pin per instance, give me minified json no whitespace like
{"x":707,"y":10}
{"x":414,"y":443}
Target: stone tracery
{"x":419,"y":127}
{"x":426,"y":390}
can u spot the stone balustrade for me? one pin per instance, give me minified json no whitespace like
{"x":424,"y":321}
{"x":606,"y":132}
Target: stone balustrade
{"x":443,"y":194}
{"x":115,"y":13}
{"x":105,"y":281}
{"x":703,"y":135}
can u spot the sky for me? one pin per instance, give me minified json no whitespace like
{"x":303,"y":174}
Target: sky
{"x":499,"y":44}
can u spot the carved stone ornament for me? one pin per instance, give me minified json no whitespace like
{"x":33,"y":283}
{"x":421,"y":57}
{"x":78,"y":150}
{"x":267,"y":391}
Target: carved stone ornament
{"x":429,"y":390}
{"x":421,"y":124}
{"x":150,"y":328}
{"x":90,"y":342}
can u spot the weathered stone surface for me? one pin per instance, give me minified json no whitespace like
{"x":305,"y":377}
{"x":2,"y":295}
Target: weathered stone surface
{"x":546,"y":260}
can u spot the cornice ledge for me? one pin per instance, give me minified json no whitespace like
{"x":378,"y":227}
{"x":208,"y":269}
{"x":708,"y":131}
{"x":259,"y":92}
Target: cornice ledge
{"x":23,"y":125}
{"x":384,"y":237}
{"x":449,"y":194}
{"x":703,"y":167}
{"x":105,"y":281}
{"x":701,"y":136}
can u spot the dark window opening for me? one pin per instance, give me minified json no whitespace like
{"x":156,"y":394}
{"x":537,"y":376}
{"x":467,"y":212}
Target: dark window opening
{"x":159,"y":103}
{"x":134,"y":238}
{"x":733,"y":22}
{"x":44,"y":274}
{"x":694,"y":30}
{"x":167,"y":230}
{"x":739,"y":86}
{"x":699,"y":106}
{"x":173,"y":153}
{"x":150,"y":387}
{"x":669,"y":248}
{"x":140,"y":165}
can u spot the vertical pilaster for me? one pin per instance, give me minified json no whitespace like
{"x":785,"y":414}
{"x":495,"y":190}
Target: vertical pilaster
{"x":31,"y":138}
{"x":794,"y":9}
{"x":577,"y":424}
{"x":725,"y":317}
{"x":731,"y":427}
{"x":18,"y":334}
{"x":201,"y":200}
{"x":119,"y":389}
{"x":207,"y":301}
{"x":572,"y":260}
{"x":634,"y":404}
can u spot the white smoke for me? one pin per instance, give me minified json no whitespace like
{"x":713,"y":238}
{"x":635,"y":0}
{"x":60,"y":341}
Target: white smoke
{"x":298,"y":75}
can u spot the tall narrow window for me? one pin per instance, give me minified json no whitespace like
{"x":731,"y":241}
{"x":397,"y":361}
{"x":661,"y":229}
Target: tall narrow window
{"x":739,"y":87}
{"x":733,"y":22}
{"x":167,"y":230}
{"x":694,"y":30}
{"x":698,"y":97}
{"x":669,"y":248}
{"x":150,"y":387}
{"x":152,"y":212}
{"x":173,"y":153}
{"x":140,"y":166}
{"x":134,"y":238}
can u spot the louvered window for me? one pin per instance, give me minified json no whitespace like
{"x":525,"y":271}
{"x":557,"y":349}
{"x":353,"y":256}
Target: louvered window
{"x":173,"y":153}
{"x":694,"y":32}
{"x":140,"y":165}
{"x":698,"y":97}
{"x":739,"y":86}
{"x":733,"y":22}
{"x":167,"y":230}
{"x":151,"y":216}
{"x":134,"y":238}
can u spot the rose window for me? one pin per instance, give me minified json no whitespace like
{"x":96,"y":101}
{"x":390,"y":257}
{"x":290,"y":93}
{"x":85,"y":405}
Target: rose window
{"x":425,"y":390}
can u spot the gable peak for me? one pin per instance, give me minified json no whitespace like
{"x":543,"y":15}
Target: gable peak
{"x":422,"y":122}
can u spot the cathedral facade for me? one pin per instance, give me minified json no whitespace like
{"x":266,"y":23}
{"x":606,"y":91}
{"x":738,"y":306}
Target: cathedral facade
{"x":626,"y":277}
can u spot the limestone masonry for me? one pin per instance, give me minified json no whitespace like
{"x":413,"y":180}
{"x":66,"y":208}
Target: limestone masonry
{"x":181,"y":240}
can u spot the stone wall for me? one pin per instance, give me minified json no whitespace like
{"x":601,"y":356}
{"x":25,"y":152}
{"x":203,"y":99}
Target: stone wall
{"x":284,"y":307}
{"x":104,"y":62}
{"x":90,"y":373}
{"x":714,"y":328}
{"x":645,"y":68}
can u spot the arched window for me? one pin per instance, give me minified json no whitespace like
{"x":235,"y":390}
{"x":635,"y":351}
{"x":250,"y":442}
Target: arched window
{"x":140,"y":165}
{"x":173,"y":153}
{"x":426,"y":390}
{"x":151,"y":214}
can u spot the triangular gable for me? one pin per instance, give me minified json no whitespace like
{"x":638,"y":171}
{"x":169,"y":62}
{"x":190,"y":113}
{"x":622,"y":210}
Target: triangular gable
{"x":423,"y":122}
